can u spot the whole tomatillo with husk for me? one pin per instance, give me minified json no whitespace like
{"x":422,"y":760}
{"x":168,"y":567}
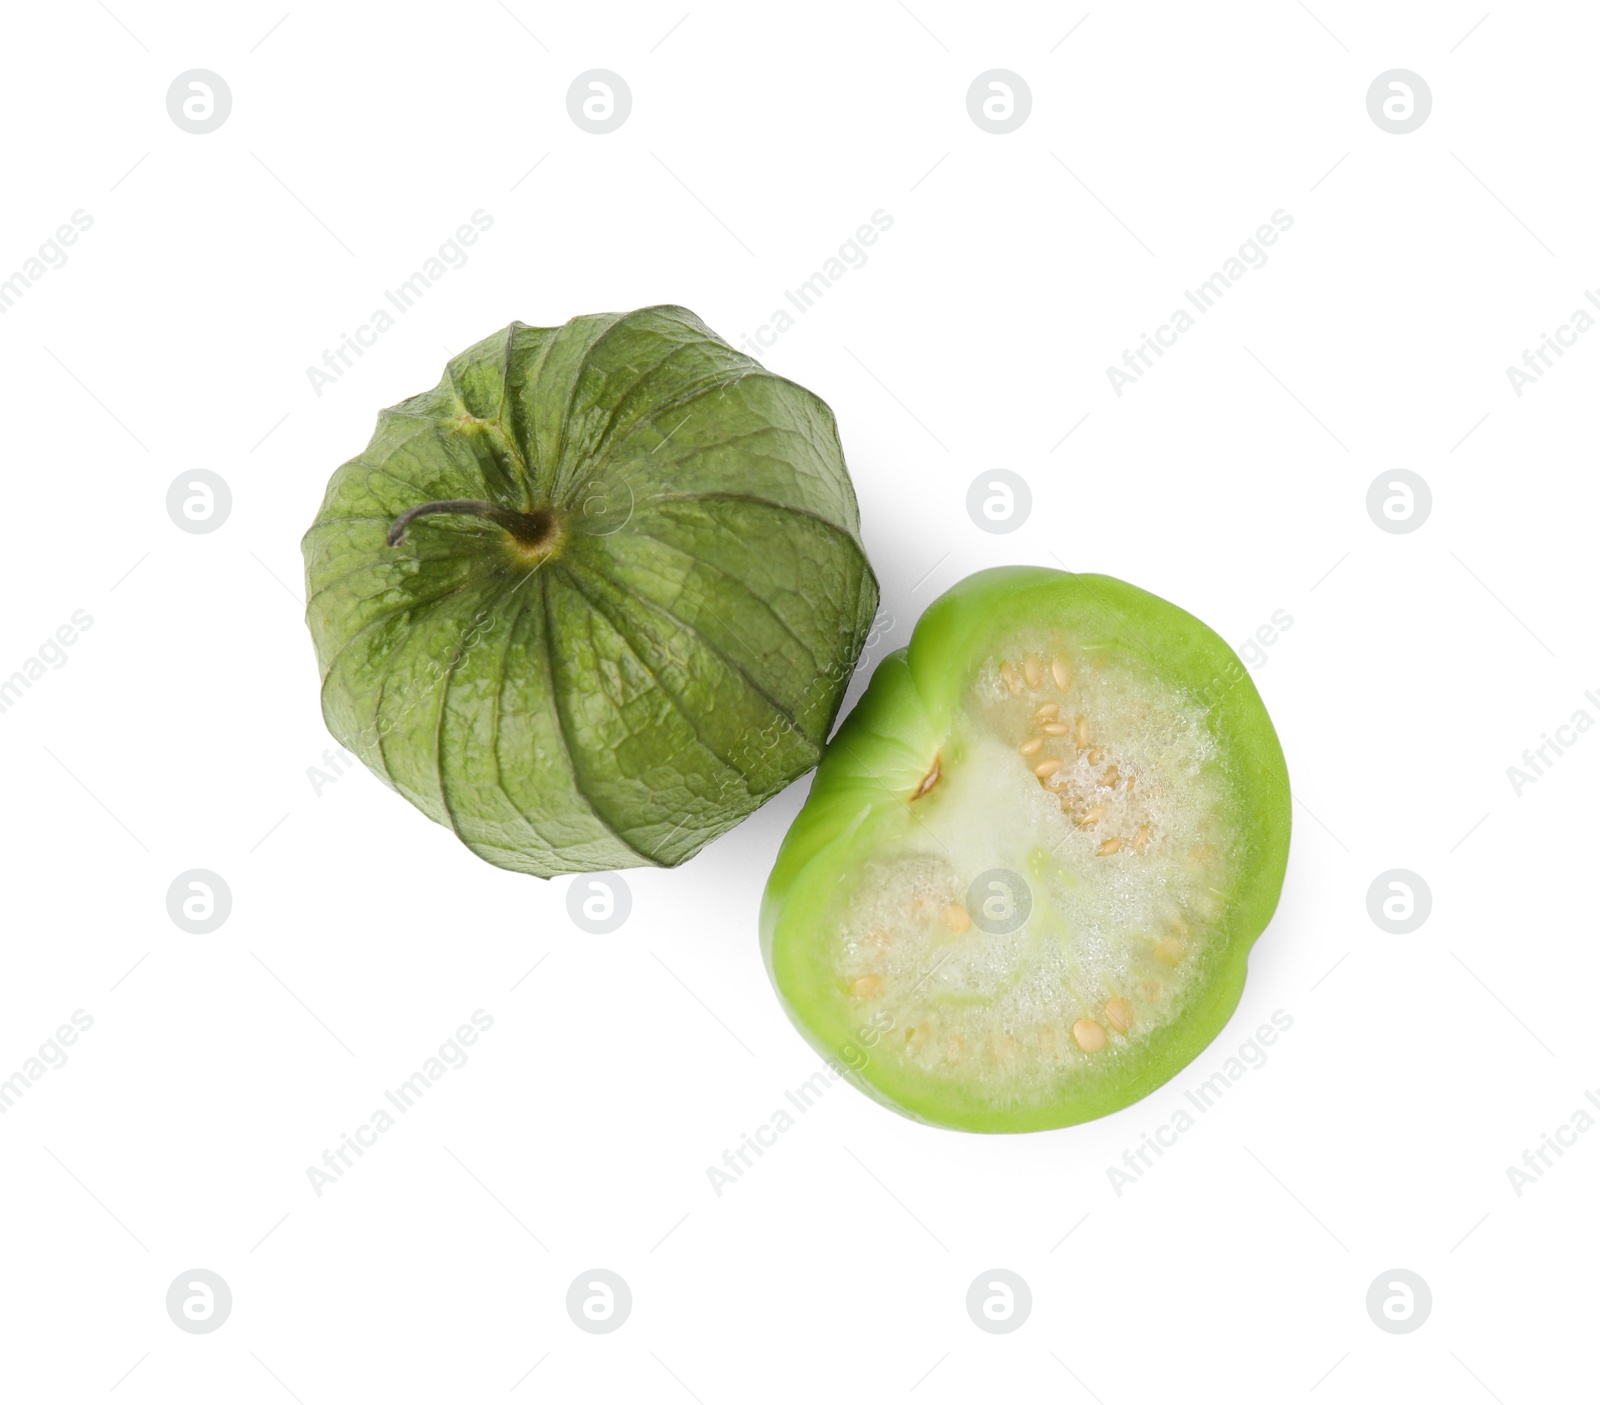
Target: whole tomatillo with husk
{"x":596,"y":596}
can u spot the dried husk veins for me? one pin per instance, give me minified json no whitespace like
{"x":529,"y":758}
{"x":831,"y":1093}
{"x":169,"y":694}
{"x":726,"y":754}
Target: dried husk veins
{"x":677,"y":655}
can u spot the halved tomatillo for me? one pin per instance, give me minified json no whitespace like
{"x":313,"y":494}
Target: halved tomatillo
{"x":1035,"y":856}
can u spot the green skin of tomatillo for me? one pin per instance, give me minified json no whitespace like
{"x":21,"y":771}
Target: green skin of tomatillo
{"x":882,"y":754}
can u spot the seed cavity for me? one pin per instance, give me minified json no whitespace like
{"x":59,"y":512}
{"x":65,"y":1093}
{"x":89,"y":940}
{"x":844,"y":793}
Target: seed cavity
{"x":1090,"y":1036}
{"x":1120,"y":961}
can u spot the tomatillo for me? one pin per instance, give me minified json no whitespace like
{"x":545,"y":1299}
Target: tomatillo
{"x":1035,"y":857}
{"x":596,"y":596}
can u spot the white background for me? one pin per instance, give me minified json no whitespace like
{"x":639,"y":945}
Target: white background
{"x":1232,"y":479}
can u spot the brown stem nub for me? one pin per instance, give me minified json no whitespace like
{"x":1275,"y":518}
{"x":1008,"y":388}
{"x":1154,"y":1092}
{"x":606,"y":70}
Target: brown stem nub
{"x":532,"y":528}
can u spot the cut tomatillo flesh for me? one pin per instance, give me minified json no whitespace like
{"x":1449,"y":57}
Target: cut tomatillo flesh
{"x":596,"y":596}
{"x":1024,"y":889}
